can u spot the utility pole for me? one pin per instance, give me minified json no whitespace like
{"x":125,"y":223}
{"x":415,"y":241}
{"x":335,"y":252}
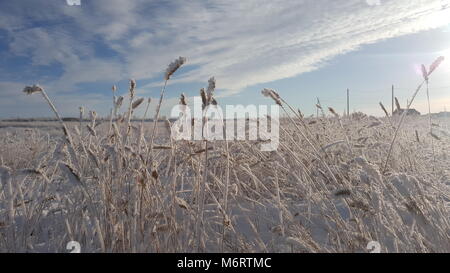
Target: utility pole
{"x":446,"y":117}
{"x":348,"y":103}
{"x":317,"y":108}
{"x":392,"y":100}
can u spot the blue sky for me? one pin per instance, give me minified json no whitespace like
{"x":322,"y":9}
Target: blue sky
{"x":302,"y":48}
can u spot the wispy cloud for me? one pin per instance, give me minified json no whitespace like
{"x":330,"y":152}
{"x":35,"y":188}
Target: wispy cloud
{"x":241,"y":43}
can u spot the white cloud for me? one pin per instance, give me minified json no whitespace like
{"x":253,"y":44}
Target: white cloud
{"x":254,"y":42}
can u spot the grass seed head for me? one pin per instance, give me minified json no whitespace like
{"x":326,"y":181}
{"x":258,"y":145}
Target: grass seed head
{"x":183,"y":99}
{"x":397,"y":104}
{"x":136,"y":103}
{"x":32,"y":89}
{"x":210,"y":90}
{"x":119,"y":102}
{"x":384,"y":109}
{"x":435,"y":64}
{"x":132,"y":87}
{"x":173,"y":66}
{"x":425,"y":73}
{"x":272,"y":94}
{"x":204,"y":99}
{"x":93,"y":115}
{"x":333,"y":112}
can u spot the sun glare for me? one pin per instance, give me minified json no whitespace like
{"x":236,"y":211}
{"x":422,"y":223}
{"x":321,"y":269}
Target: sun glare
{"x":446,"y":54}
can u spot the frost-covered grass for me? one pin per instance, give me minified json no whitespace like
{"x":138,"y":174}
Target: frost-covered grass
{"x":102,"y":195}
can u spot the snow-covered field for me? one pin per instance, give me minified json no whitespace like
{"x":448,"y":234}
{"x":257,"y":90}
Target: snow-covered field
{"x":101,"y":191}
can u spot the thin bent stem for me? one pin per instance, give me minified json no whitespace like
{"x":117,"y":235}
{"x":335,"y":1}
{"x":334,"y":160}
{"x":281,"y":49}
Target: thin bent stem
{"x":227,"y":184}
{"x":155,"y":122}
{"x":141,"y":128}
{"x":130,"y":113}
{"x":203,"y":185}
{"x":430,"y":124}
{"x":402,"y":117}
{"x":52,"y":106}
